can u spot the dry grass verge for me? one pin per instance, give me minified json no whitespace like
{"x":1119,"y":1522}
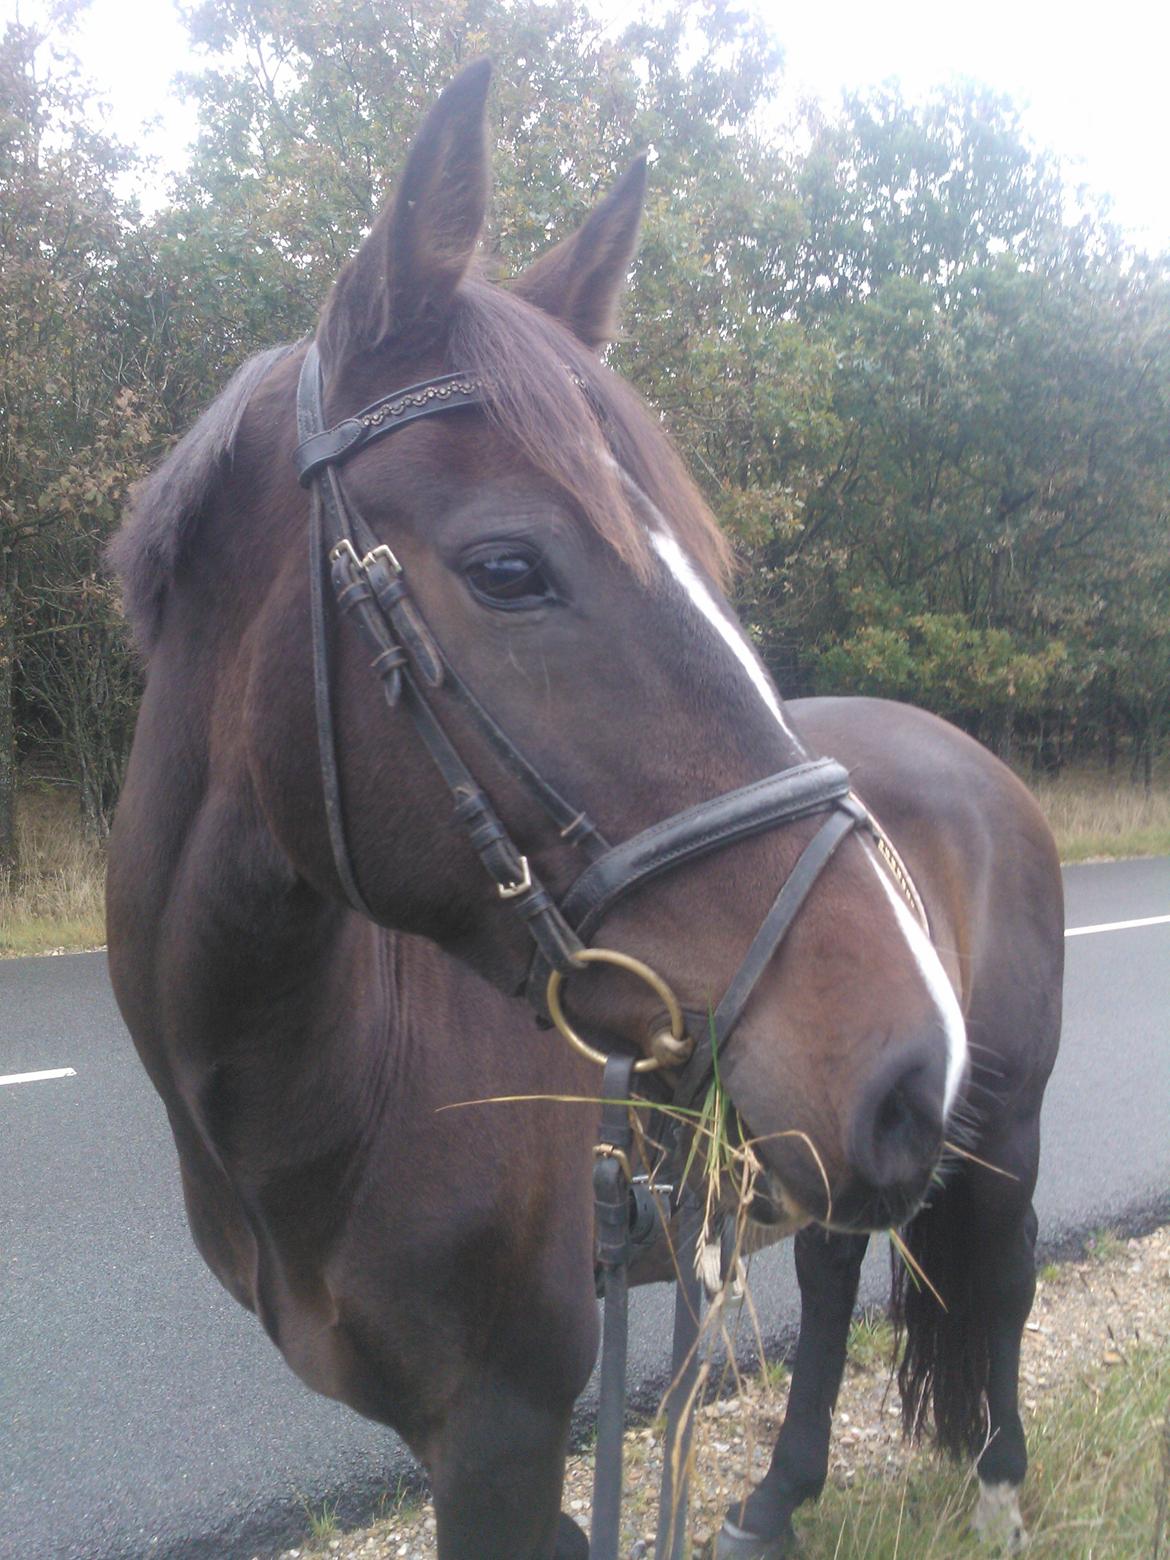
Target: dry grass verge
{"x":57,"y":903}
{"x":1095,"y":1385}
{"x":1093,"y":814}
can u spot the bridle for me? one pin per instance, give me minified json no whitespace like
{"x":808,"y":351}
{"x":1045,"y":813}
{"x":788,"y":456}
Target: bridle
{"x":370,"y":588}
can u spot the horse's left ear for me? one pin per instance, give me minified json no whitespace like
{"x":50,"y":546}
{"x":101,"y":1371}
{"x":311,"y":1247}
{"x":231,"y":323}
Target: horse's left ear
{"x":580,"y":281}
{"x":402,"y":279}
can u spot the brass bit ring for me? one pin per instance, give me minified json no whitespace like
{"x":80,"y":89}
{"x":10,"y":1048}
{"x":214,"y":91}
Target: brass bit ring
{"x":623,"y":961}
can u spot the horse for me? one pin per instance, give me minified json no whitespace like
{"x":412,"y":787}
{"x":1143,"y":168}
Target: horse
{"x":431,"y":612}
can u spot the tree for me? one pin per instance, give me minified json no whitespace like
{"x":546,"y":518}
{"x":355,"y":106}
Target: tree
{"x":1000,"y":453}
{"x":63,"y":344}
{"x":931,"y":414}
{"x":925,"y":192}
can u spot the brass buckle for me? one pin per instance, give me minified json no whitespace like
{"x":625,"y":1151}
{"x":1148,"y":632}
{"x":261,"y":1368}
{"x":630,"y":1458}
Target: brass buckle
{"x":345,"y":549}
{"x":623,"y":961}
{"x":608,"y":1151}
{"x":522,"y":884}
{"x":382,"y":554}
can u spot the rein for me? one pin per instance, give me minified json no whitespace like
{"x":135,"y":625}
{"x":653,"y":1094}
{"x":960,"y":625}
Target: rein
{"x":369,"y":588}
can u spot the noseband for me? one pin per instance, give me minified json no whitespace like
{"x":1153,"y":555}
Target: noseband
{"x":369,"y":587}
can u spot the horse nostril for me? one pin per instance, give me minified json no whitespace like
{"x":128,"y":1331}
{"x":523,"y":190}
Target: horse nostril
{"x":895,"y":1117}
{"x":898,"y":1123}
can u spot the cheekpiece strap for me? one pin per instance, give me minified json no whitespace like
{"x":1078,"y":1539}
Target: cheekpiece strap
{"x":696,"y":1076}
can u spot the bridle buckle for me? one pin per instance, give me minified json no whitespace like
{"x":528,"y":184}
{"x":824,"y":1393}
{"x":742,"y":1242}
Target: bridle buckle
{"x":522,"y":884}
{"x":380,"y":554}
{"x":611,"y":1151}
{"x":344,"y":549}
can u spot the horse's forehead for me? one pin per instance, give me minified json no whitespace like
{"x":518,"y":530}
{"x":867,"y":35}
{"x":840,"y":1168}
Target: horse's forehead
{"x":457,"y":467}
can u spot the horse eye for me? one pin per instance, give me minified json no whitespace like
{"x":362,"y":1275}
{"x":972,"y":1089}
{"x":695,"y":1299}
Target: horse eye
{"x":509,"y":578}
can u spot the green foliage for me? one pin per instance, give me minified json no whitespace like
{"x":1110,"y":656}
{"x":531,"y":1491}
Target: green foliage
{"x":871,"y":1344}
{"x":73,"y":429}
{"x":974,"y":676}
{"x":1095,"y":1486}
{"x":932,"y":414}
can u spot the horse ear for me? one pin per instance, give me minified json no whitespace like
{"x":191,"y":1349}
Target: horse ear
{"x":400,"y":282}
{"x":579,"y":282}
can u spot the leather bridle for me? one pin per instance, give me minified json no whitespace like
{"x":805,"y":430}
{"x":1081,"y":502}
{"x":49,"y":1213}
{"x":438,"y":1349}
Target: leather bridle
{"x":369,"y":587}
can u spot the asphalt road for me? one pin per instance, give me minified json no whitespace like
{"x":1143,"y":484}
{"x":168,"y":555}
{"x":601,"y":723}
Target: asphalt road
{"x":142,"y":1414}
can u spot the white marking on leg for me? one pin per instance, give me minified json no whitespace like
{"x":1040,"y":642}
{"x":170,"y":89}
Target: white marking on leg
{"x":38,"y":1077}
{"x":997,"y":1518}
{"x":700,"y":597}
{"x":710,"y":1266}
{"x":937,"y":984}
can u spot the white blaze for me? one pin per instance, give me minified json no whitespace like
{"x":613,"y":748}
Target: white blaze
{"x":686,"y":575}
{"x":935,"y":978}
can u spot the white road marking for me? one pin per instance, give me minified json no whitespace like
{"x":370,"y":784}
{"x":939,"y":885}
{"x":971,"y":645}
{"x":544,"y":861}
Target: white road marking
{"x":1116,"y":926}
{"x":38,"y":1077}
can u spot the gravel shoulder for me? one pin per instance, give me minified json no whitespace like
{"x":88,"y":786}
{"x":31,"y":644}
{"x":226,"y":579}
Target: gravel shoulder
{"x":1087,"y":1315}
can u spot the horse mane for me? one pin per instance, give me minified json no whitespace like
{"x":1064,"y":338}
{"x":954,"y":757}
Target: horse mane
{"x":547,"y":393}
{"x":166,"y":505}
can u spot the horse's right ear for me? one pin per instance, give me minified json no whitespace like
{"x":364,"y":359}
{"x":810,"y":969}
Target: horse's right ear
{"x":581,"y":280}
{"x":400,"y":283}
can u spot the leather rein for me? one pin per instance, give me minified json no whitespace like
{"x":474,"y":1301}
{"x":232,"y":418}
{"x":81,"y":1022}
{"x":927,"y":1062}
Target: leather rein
{"x":369,"y":587}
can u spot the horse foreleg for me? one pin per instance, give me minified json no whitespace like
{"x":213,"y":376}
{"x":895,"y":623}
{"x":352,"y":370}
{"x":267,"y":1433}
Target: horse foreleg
{"x":828,"y":1268}
{"x":497,"y":1468}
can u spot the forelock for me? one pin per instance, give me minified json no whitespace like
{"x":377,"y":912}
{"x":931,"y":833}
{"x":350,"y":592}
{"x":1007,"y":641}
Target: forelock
{"x":579,"y":424}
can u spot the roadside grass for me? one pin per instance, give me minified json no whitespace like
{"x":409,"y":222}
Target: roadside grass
{"x":404,"y":1500}
{"x":57,"y":900}
{"x":1104,"y":1245}
{"x":1098,"y":1484}
{"x":323,"y":1524}
{"x":1094,"y":814}
{"x":1100,"y":1462}
{"x":871,"y":1342}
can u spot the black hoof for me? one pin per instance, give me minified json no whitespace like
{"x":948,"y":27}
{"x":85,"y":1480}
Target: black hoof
{"x":734,"y":1543}
{"x":571,"y":1542}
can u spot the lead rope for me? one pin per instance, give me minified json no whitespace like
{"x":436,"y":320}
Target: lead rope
{"x":613,"y":1212}
{"x":674,"y":1492}
{"x":611,"y":1206}
{"x":616,"y":1209}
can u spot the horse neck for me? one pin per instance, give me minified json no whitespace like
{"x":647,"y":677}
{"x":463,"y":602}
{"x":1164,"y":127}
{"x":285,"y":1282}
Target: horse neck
{"x":238,"y":977}
{"x":226,"y":963}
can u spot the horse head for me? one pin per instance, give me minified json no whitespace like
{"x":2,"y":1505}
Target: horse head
{"x":551,"y":564}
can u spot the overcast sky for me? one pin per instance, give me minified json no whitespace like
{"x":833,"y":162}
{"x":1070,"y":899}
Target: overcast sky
{"x":1091,"y":82}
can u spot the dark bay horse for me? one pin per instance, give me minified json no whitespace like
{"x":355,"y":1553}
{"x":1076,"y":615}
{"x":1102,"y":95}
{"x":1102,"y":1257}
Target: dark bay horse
{"x":304,"y":941}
